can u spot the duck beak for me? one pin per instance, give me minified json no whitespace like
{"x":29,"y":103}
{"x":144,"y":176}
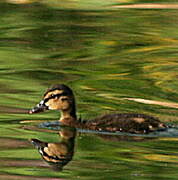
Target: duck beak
{"x":37,"y":143}
{"x":38,"y":108}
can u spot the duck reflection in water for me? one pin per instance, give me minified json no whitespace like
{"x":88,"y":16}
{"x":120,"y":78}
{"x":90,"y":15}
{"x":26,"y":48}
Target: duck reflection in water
{"x":58,"y":154}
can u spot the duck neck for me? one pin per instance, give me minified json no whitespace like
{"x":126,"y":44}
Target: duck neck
{"x":68,"y":116}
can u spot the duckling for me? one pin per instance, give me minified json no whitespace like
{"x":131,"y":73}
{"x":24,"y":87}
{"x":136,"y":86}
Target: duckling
{"x":58,"y":154}
{"x":60,"y":97}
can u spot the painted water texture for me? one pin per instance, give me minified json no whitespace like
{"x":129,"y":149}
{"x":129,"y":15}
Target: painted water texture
{"x":116,"y":60}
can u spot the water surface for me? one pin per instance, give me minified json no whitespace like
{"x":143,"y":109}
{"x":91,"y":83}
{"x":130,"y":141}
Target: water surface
{"x":108,"y":57}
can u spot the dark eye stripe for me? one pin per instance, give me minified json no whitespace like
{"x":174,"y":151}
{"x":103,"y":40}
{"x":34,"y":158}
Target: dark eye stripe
{"x":54,"y":96}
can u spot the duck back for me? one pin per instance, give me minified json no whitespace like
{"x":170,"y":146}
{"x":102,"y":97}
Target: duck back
{"x":132,"y":123}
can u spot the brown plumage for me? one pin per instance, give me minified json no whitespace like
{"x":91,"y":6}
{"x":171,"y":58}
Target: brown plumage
{"x":60,"y":97}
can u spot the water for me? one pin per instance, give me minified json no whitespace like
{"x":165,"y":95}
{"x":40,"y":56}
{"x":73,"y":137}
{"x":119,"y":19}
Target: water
{"x":106,"y":56}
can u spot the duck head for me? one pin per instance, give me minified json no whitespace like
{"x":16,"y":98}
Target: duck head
{"x":58,"y":97}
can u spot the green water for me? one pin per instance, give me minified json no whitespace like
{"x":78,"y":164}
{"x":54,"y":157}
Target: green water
{"x":105,"y":55}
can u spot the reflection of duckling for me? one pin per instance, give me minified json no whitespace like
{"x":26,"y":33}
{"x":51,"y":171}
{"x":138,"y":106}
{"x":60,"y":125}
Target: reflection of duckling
{"x":57,"y":154}
{"x":60,"y":97}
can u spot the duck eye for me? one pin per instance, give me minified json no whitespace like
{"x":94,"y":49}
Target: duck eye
{"x":52,"y":95}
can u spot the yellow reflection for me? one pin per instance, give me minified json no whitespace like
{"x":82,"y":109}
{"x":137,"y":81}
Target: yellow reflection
{"x":20,"y":1}
{"x":161,"y":157}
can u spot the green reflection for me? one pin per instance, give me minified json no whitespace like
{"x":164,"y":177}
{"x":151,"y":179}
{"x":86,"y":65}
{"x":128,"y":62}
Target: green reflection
{"x":105,"y":55}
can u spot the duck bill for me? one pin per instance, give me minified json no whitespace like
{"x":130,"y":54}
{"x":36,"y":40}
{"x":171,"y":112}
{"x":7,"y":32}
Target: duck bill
{"x":41,"y":107}
{"x":37,"y":143}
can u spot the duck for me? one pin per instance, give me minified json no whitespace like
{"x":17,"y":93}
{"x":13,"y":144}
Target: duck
{"x":57,"y":154}
{"x":61,"y":97}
